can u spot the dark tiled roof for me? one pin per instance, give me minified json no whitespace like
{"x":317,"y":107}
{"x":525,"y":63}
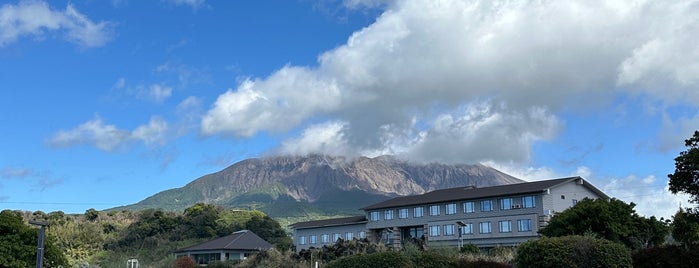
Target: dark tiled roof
{"x":462,"y":193}
{"x":240,"y":240}
{"x":329,"y":222}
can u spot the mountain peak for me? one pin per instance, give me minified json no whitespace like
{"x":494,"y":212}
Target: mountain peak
{"x":319,"y":180}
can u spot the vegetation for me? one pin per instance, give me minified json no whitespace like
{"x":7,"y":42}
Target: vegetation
{"x":612,"y":219}
{"x":572,"y":251}
{"x":685,"y":179}
{"x":108,"y":239}
{"x":18,"y":243}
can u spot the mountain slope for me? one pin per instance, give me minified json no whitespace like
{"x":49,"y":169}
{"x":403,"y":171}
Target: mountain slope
{"x":293,"y":185}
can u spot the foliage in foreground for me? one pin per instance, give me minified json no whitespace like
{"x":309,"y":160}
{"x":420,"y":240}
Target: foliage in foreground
{"x":675,"y":256}
{"x":572,"y":251}
{"x":612,"y":219}
{"x":18,"y":243}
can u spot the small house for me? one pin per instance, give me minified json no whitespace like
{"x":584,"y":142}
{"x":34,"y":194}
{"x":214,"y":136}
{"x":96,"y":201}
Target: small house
{"x":236,"y":246}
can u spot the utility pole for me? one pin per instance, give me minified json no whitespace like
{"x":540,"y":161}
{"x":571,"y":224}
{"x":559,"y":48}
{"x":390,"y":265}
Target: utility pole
{"x":40,"y":242}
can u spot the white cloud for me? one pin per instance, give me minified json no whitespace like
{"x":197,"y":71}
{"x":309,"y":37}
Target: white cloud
{"x":108,"y":137}
{"x":326,"y":138}
{"x":651,"y":198}
{"x":93,"y":132}
{"x":158,"y":92}
{"x":16,"y":172}
{"x":33,"y":18}
{"x":153,"y":133}
{"x":195,"y":4}
{"x":403,"y":83}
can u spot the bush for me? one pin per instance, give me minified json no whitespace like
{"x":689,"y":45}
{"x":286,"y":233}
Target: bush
{"x":470,"y":249}
{"x":388,"y":259}
{"x":185,"y":262}
{"x":666,"y":256}
{"x":465,"y":263}
{"x":572,"y":251}
{"x":431,"y":259}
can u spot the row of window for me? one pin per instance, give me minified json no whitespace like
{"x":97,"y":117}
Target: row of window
{"x":523,"y":225}
{"x":450,"y":209}
{"x":325,"y":238}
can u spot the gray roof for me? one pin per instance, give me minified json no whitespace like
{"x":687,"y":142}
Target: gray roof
{"x":240,"y":240}
{"x":461,"y":193}
{"x":329,"y":222}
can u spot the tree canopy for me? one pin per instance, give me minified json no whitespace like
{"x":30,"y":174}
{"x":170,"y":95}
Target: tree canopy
{"x":686,"y":176}
{"x":18,"y":243}
{"x":609,"y":219}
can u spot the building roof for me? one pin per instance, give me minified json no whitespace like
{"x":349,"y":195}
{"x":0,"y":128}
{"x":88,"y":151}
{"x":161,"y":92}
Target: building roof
{"x":461,"y":193}
{"x":240,"y":240}
{"x":329,"y":222}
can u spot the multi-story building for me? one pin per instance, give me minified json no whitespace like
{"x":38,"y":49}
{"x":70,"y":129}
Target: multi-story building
{"x":503,"y":215}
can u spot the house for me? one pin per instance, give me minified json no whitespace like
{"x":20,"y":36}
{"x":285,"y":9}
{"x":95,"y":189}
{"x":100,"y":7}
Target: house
{"x":504,"y":215}
{"x":236,"y":246}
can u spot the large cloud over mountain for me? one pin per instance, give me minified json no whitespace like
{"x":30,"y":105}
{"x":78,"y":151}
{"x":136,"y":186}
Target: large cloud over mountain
{"x":442,"y":80}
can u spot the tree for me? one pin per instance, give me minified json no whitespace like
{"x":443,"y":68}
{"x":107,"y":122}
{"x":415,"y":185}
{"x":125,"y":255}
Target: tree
{"x":685,"y":228}
{"x":686,"y":176}
{"x":609,"y":219}
{"x":91,"y":214}
{"x":269,"y":230}
{"x":18,"y":244}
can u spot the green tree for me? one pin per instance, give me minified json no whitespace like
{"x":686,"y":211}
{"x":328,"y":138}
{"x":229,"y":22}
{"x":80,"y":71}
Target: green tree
{"x":685,"y":228}
{"x":200,"y":220}
{"x":18,"y":243}
{"x":612,"y":219}
{"x":686,"y":176}
{"x":91,"y":214}
{"x":269,"y":230}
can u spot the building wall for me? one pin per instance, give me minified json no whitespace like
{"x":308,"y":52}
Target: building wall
{"x":355,"y":229}
{"x":567,"y":195}
{"x":545,"y":204}
{"x":514,"y":212}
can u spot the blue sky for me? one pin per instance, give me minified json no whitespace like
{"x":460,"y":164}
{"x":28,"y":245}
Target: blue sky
{"x":104,"y":103}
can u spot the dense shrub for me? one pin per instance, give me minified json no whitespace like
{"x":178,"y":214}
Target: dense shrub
{"x":470,"y":249}
{"x":388,"y":259}
{"x":184,"y":262}
{"x":572,"y":251}
{"x":431,"y":259}
{"x":465,"y":263}
{"x":666,"y":256}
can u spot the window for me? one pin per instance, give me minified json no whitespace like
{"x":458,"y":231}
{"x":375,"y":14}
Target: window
{"x":313,"y":239}
{"x":524,"y":225}
{"x":487,"y":205}
{"x":336,"y":236}
{"x":528,"y":201}
{"x":485,"y":227}
{"x":302,"y":240}
{"x":575,"y":202}
{"x":451,"y":209}
{"x":362,"y":235}
{"x":418,"y":212}
{"x":374,"y":216}
{"x":388,"y":214}
{"x":448,"y":229}
{"x":403,"y":213}
{"x":469,"y":207}
{"x":563,"y":196}
{"x":505,"y":226}
{"x":349,"y":235}
{"x":505,"y":203}
{"x":434,"y":210}
{"x":434,"y":230}
{"x":467,"y":228}
{"x":325,"y":239}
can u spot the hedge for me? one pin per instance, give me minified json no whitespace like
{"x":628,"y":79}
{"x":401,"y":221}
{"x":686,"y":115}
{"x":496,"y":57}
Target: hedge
{"x":572,"y":251}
